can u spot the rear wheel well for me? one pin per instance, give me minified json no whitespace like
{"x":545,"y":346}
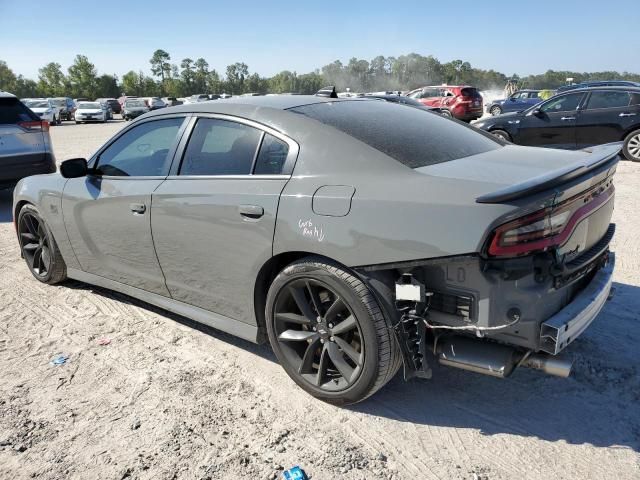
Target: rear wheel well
{"x":265,"y":278}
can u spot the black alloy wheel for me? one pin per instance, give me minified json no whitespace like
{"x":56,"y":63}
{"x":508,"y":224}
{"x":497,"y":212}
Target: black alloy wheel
{"x":319,"y":334}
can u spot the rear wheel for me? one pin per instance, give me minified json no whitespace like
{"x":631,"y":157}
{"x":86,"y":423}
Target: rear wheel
{"x":54,"y":121}
{"x":446,"y":113}
{"x":501,"y":134}
{"x":39,"y":248}
{"x":329,"y":333}
{"x":631,"y":148}
{"x":495,"y":110}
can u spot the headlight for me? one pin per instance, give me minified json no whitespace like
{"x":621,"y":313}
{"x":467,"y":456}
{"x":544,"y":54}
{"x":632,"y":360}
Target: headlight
{"x":513,"y":122}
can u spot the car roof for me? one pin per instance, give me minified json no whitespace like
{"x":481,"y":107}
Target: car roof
{"x":7,"y":95}
{"x":621,"y":88}
{"x":277,"y":102}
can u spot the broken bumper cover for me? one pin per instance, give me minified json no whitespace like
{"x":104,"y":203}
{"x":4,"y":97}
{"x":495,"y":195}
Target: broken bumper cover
{"x":566,"y":325}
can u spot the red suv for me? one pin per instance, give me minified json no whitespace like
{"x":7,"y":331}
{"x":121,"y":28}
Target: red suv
{"x":463,"y":102}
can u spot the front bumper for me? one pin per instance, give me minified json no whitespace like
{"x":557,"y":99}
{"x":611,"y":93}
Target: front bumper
{"x":566,"y":325}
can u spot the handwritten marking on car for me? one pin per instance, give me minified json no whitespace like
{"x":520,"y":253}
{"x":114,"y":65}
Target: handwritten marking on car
{"x":309,"y":230}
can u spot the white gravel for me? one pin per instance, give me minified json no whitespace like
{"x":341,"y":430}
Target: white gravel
{"x":164,"y":400}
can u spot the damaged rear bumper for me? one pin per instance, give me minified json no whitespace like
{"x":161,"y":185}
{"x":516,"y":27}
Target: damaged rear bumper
{"x":566,"y":325}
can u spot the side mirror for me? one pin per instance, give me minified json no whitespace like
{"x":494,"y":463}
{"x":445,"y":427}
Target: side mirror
{"x":537,"y":113}
{"x":74,"y":168}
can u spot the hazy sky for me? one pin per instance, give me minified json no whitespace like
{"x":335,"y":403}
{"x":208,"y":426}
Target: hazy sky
{"x":271,"y":35}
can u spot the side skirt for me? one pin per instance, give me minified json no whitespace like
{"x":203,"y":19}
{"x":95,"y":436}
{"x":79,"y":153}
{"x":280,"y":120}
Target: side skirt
{"x":219,"y":322}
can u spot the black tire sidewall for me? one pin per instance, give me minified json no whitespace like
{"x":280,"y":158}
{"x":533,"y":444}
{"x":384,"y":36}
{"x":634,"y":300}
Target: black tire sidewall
{"x":502,"y":135}
{"x":494,"y":109}
{"x":319,"y":271}
{"x":30,"y":209}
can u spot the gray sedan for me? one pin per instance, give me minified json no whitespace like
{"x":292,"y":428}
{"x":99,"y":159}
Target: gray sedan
{"x":356,"y":236}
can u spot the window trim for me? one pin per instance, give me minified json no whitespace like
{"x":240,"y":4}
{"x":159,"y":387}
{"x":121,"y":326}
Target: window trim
{"x":172,"y":151}
{"x":586,"y":108}
{"x":287,"y":169}
{"x":579,"y":107}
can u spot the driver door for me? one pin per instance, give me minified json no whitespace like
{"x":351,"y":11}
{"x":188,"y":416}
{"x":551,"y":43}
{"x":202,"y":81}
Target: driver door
{"x":554,"y":124}
{"x":107,"y":213}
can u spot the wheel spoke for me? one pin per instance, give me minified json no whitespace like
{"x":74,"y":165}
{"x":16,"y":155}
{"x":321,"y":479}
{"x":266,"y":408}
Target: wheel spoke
{"x":46,"y":258}
{"x":302,"y":302}
{"x":33,"y":229}
{"x":297,"y":335}
{"x":28,"y":237}
{"x":293,"y":318}
{"x":336,"y":307}
{"x":350,"y":351}
{"x":322,"y":365}
{"x":314,"y":299}
{"x":340,"y":363}
{"x":37,"y":260}
{"x":31,"y":246}
{"x":344,"y":326}
{"x":306,"y":365}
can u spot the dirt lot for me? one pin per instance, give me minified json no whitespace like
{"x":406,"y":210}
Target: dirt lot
{"x":166,"y":400}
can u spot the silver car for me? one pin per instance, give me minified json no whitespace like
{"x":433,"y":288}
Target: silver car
{"x":25,"y":146}
{"x":91,"y":112}
{"x":357,"y":236}
{"x":46,"y":109}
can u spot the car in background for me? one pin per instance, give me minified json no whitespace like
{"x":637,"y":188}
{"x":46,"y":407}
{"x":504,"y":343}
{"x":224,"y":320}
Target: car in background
{"x":133,"y":107}
{"x":154,"y":103}
{"x":66,"y":106}
{"x":575,"y":119}
{"x":106,"y":109}
{"x":45,"y":109}
{"x":197,"y":98}
{"x":403,"y":100}
{"x":25,"y":145}
{"x":91,"y":112}
{"x":520,"y":100}
{"x":463,"y":101}
{"x":598,"y":83}
{"x":172,"y":101}
{"x":112,"y":102}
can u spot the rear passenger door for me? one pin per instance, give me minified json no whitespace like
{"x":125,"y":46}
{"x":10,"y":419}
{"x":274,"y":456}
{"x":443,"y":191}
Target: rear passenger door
{"x":213,"y":219}
{"x":607,"y":116}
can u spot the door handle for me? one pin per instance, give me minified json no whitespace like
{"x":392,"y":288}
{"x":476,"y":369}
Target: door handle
{"x":627,"y":115}
{"x":138,"y":208}
{"x":251,"y":211}
{"x":567,"y":118}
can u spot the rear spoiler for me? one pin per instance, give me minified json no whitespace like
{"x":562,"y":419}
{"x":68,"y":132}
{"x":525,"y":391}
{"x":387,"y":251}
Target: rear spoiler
{"x":600,"y":155}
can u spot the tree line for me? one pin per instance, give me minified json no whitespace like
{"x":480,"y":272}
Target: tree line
{"x":190,"y":76}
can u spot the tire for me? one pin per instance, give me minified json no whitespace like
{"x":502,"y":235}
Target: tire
{"x":631,"y":148}
{"x":341,"y":356}
{"x":39,"y":248}
{"x":495,"y":110}
{"x":77,"y":122}
{"x":446,"y":113}
{"x":54,"y":122}
{"x":501,"y":134}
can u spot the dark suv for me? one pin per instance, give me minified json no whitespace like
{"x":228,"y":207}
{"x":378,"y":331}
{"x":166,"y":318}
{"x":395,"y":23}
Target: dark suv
{"x":25,"y":146}
{"x":575,"y":119}
{"x":464,"y":102}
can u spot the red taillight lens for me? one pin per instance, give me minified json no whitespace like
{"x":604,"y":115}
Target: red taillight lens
{"x":36,"y":126}
{"x":548,"y":227}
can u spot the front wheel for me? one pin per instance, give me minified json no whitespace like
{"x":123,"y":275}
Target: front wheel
{"x":329,"y":333}
{"x":631,"y":148}
{"x":501,"y":134}
{"x":39,"y":248}
{"x":54,"y":122}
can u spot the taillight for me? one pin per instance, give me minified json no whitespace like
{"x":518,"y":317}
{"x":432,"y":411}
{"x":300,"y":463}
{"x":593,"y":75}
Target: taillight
{"x":36,"y":126}
{"x":548,"y":227}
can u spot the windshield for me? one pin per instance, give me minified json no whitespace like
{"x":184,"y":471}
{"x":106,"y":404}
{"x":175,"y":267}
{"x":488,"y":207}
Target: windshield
{"x":412,"y":136}
{"x":37,"y":104}
{"x":89,"y":106}
{"x":134,"y":103}
{"x":59,"y":102}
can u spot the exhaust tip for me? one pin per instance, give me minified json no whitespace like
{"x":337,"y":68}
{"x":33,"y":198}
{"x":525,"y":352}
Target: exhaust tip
{"x":559,"y":366}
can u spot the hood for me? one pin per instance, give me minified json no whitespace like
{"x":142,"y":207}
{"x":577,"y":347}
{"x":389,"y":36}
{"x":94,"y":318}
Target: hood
{"x":89,"y":111}
{"x":40,"y":109}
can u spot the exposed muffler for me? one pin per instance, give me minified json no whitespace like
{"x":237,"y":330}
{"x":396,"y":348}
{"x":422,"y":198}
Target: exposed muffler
{"x":496,"y":360}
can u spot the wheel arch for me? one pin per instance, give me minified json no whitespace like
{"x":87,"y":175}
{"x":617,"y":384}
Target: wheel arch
{"x":629,"y":130}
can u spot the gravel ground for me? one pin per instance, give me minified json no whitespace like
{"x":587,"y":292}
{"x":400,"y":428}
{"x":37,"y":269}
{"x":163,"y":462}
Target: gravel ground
{"x":167,"y":399}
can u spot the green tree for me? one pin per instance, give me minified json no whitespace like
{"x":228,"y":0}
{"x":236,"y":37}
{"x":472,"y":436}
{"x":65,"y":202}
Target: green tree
{"x":51,"y":81}
{"x":7,"y":78}
{"x":107,"y":86}
{"x":236,"y":75}
{"x":82,"y":78}
{"x":187,"y":75}
{"x":200,"y":76}
{"x":160,"y":65}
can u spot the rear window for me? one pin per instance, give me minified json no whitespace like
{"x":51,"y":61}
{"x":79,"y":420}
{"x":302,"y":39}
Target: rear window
{"x":12,"y":111}
{"x":412,"y":136}
{"x":470,"y":92}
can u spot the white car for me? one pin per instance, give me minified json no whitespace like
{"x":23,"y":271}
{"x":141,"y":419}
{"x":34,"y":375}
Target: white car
{"x":90,"y":112}
{"x":45,"y":109}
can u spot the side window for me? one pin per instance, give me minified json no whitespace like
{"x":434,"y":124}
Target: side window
{"x":608,"y":100}
{"x":142,"y":151}
{"x":220,"y":147}
{"x":533,"y":95}
{"x":273,"y":154}
{"x":635,"y":99}
{"x":566,"y":103}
